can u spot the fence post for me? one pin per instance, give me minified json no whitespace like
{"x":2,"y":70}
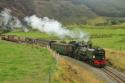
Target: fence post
{"x":49,"y":76}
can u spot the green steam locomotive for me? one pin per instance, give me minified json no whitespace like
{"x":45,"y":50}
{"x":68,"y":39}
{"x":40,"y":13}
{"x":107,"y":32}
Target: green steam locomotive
{"x":81,"y":51}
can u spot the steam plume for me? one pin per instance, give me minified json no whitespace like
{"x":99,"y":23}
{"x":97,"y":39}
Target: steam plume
{"x":54,"y":27}
{"x":8,"y":21}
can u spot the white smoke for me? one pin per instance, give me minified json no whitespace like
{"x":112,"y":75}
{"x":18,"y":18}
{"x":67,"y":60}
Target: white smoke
{"x":54,"y":27}
{"x":9,"y":21}
{"x":5,"y":15}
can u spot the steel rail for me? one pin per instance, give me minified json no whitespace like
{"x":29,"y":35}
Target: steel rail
{"x":113,"y":75}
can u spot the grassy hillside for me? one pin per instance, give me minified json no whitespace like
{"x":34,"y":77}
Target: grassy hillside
{"x":63,"y":9}
{"x":19,"y":7}
{"x":110,"y":8}
{"x":24,"y":63}
{"x":116,"y":59}
{"x":108,"y":38}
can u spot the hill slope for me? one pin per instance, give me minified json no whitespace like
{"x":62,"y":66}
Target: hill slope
{"x":111,"y":8}
{"x":77,"y":11}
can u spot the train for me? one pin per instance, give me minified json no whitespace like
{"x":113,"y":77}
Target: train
{"x":83,"y":51}
{"x":25,"y":40}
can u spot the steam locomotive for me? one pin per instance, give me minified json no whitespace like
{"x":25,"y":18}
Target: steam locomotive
{"x":82,"y":51}
{"x":79,"y":50}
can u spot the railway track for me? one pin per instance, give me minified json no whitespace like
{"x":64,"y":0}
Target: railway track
{"x":114,"y":75}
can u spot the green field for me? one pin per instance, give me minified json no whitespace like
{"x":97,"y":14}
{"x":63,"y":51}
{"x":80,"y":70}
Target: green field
{"x":108,"y":38}
{"x":25,"y":63}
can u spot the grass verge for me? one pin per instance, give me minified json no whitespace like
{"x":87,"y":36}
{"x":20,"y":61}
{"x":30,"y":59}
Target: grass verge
{"x":24,"y":63}
{"x":116,"y":59}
